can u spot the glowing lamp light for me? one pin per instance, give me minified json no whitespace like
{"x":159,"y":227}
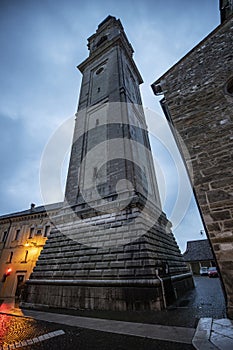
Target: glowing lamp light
{"x":8,"y":271}
{"x":6,"y":274}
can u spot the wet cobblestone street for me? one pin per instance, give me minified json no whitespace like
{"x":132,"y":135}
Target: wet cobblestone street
{"x":14,"y":329}
{"x":78,"y":338}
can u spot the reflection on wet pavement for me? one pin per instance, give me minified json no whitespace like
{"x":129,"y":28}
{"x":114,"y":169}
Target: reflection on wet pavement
{"x":206,"y":300}
{"x":15,"y":329}
{"x":9,"y":305}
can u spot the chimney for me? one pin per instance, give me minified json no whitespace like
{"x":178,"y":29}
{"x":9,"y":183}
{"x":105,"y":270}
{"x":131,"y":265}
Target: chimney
{"x":32,"y":206}
{"x":226,"y":9}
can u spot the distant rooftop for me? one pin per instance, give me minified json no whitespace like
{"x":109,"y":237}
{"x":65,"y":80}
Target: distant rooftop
{"x":34,"y":210}
{"x":198,"y":250}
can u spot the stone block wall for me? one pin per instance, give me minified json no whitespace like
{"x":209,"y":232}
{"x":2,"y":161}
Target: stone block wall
{"x":199,"y":105}
{"x":109,"y":246}
{"x":95,"y":296}
{"x":107,"y":255}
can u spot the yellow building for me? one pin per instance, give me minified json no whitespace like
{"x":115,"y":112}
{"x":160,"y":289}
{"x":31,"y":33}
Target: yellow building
{"x":22,"y":237}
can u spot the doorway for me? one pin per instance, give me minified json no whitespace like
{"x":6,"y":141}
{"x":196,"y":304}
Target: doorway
{"x":20,"y":280}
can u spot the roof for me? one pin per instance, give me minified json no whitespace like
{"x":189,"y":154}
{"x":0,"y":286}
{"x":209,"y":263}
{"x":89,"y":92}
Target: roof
{"x":198,"y":251}
{"x":35,"y":210}
{"x":108,"y":18}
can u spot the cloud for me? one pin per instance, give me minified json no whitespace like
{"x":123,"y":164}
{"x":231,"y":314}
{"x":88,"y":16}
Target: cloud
{"x":190,"y":227}
{"x":41,"y":44}
{"x":19,"y":164}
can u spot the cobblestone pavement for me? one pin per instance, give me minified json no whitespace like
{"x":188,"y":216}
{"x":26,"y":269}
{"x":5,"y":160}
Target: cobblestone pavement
{"x":206,"y":300}
{"x":14,"y":329}
{"x":20,"y":328}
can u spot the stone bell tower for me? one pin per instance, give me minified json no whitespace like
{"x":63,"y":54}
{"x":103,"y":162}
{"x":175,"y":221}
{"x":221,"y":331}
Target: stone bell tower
{"x":112,"y":245}
{"x":111,"y":149}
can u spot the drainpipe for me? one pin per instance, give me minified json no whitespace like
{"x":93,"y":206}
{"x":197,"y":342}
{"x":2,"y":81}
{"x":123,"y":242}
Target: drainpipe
{"x":162,"y":286}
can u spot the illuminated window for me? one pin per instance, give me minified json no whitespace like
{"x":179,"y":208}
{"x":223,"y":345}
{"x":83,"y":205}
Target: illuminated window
{"x":26,"y":256}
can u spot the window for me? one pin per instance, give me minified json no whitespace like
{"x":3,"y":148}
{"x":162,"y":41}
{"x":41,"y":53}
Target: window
{"x":4,"y":237}
{"x":38,"y":232}
{"x":17,"y":235}
{"x":94,"y":172}
{"x":102,"y":40}
{"x":46,"y":230}
{"x":100,"y":70}
{"x":97,"y":122}
{"x":26,"y":256}
{"x":10,"y":257}
{"x":31,"y":232}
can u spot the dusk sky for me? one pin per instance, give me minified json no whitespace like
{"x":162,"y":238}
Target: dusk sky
{"x":43,"y":41}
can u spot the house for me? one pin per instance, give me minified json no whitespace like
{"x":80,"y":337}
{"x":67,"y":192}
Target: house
{"x":198,"y":253}
{"x":22,"y":237}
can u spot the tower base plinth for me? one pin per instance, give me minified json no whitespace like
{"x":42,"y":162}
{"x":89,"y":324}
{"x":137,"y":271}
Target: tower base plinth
{"x":115,"y":295}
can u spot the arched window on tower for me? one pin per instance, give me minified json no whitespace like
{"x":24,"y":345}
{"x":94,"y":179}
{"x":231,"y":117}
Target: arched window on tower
{"x":102,"y":40}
